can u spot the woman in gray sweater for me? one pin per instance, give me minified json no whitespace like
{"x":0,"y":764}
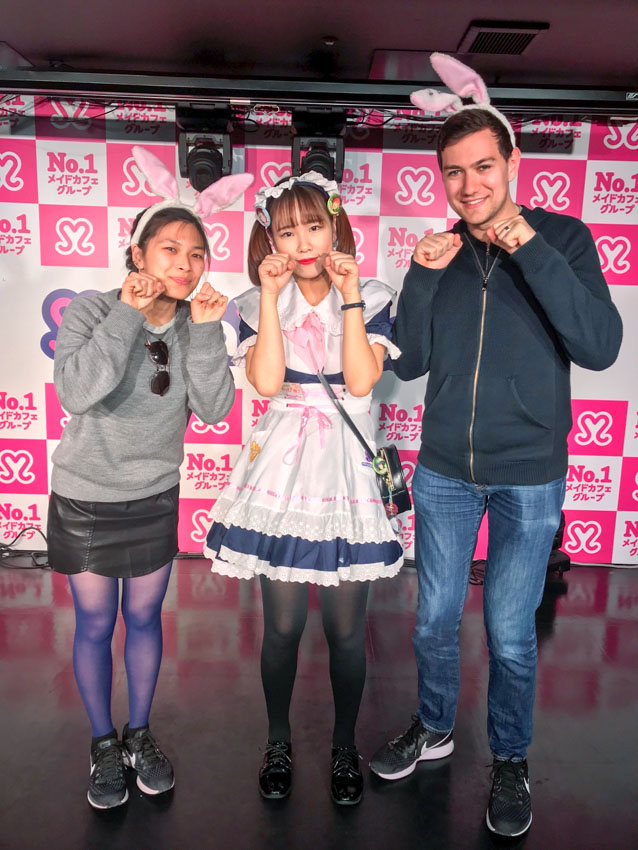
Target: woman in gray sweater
{"x":130,"y":366}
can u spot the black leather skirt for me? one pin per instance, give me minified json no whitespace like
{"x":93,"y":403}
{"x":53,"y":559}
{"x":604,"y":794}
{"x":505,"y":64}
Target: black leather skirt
{"x":115,"y":539}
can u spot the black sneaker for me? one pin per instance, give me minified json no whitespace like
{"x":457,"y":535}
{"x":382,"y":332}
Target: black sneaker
{"x":400,"y":756}
{"x":346,"y":779}
{"x":510,"y":809}
{"x":154,"y":770}
{"x":107,"y":783}
{"x":275,"y":773}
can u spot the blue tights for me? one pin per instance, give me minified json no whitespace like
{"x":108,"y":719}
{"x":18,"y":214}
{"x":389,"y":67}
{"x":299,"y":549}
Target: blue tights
{"x":96,"y":601}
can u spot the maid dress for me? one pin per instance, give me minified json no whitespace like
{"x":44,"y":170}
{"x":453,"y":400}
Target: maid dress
{"x":302,"y":502}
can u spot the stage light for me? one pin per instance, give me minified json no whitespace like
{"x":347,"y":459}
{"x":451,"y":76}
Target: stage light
{"x":204,"y":147}
{"x":317,"y":144}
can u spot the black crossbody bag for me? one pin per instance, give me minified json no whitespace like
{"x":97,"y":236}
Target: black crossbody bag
{"x":386,"y":463}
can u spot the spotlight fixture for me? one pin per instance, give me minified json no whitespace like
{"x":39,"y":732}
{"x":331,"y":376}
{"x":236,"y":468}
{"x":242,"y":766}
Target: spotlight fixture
{"x":317,"y":144}
{"x":204,"y":147}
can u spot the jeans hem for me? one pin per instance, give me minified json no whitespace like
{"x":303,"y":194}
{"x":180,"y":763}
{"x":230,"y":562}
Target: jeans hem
{"x":430,"y":729}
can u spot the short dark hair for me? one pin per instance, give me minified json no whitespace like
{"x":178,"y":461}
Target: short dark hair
{"x":156,"y":223}
{"x":469,"y":121}
{"x":310,"y":203}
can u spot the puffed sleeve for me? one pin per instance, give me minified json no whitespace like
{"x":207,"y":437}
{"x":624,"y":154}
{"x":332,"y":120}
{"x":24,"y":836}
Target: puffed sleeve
{"x":378,"y":298}
{"x":247,"y":305}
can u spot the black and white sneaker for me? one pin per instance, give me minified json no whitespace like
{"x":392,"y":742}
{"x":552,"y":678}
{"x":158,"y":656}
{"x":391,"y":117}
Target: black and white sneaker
{"x":141,"y":752}
{"x":107,"y":782}
{"x":400,"y":756}
{"x":510,"y":808}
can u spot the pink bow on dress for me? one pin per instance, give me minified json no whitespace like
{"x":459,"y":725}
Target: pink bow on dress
{"x":309,"y":342}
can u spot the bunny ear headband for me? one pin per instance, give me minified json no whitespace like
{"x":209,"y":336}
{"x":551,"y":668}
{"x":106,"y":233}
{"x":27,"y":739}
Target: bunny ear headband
{"x":465,"y":83}
{"x":215,"y":197}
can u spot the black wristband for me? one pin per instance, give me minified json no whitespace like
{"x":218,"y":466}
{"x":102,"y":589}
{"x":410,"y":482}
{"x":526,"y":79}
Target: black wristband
{"x":361,"y":304}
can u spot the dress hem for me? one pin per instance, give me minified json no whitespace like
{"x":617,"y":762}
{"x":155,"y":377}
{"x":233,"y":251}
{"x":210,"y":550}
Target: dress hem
{"x":363,"y":572}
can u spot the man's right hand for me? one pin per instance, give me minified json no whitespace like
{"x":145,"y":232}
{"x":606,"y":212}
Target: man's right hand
{"x":437,"y":250}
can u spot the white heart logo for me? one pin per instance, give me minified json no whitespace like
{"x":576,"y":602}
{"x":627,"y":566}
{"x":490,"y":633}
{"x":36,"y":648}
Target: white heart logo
{"x":625,"y":135}
{"x":613,"y":253}
{"x":271,"y":172}
{"x":218,"y":236}
{"x":201,"y":523}
{"x":10,"y":165}
{"x":414,"y":185}
{"x":550,"y":190}
{"x":135,"y":182}
{"x":70,"y":112}
{"x":583,"y":537}
{"x":74,"y":235}
{"x":594,"y":428}
{"x":16,"y":467}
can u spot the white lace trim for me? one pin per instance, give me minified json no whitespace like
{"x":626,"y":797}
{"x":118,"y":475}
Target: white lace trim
{"x":307,"y":526}
{"x":329,"y":186}
{"x":238,"y":565}
{"x":239,"y":356}
{"x":393,"y":351}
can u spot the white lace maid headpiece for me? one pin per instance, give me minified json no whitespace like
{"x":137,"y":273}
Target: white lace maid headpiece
{"x":465,"y":83}
{"x":214,"y":198}
{"x":313,"y":178}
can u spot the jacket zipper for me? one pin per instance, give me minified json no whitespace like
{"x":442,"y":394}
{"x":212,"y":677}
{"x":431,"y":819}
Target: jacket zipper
{"x":485,"y":274}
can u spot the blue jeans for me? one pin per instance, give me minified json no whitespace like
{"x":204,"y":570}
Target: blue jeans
{"x":522,"y":523}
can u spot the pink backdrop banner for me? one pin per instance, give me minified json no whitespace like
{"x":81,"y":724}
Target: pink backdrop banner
{"x":69,"y":190}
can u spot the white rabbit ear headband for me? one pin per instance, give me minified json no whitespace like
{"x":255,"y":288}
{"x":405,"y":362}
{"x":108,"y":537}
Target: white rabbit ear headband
{"x":311,"y":178}
{"x":465,"y":83}
{"x":214,"y":198}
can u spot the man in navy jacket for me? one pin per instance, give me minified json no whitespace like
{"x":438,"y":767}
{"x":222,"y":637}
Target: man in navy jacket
{"x":494,"y":311}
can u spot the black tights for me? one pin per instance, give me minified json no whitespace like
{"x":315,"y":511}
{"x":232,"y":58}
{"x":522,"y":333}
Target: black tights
{"x":343,"y":610}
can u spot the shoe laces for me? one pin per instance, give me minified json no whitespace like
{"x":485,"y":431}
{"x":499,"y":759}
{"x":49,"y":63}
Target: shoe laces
{"x":345,"y":762}
{"x":508,"y":777}
{"x":410,"y":736}
{"x":108,"y":761}
{"x":277,"y":756}
{"x":146,"y":747}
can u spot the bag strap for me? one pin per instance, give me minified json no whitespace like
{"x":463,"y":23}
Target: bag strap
{"x":346,"y":417}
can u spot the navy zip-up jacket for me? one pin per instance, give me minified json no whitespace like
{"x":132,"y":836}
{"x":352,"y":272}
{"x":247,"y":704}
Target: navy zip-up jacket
{"x":498,"y":410}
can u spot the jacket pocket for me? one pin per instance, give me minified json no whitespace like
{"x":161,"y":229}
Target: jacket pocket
{"x":510,"y":429}
{"x":447,"y":414}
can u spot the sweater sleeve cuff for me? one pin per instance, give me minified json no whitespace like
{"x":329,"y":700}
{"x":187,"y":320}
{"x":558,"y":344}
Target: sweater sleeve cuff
{"x":204,"y":335}
{"x":533,"y":255}
{"x":422,"y":276}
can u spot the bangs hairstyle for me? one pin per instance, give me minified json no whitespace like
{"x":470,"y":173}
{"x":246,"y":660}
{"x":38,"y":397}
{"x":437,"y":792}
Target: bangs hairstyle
{"x":306,"y":201}
{"x":156,"y":223}
{"x":469,"y":121}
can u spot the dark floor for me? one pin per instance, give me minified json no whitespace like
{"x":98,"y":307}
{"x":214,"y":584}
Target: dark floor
{"x":210,"y":719}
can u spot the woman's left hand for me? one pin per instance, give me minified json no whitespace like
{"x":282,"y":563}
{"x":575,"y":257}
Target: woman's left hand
{"x":208,"y":305}
{"x":343,"y":271}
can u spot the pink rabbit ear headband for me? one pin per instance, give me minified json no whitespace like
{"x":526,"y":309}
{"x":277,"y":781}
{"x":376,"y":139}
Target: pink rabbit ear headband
{"x":465,"y":83}
{"x":214,"y":198}
{"x":311,"y":178}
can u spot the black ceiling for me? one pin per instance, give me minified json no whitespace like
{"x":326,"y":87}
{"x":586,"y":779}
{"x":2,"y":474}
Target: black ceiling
{"x":589,"y":43}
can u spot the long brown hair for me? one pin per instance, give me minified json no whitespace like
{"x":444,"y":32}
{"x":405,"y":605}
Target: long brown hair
{"x":302,"y":200}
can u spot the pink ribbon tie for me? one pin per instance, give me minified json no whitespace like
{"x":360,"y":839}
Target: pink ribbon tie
{"x":324,"y":423}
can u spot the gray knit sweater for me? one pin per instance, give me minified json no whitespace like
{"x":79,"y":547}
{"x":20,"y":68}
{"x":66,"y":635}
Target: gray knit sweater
{"x":123,"y":442}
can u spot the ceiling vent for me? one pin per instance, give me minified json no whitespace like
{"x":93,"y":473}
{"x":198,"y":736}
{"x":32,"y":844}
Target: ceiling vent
{"x":509,"y":38}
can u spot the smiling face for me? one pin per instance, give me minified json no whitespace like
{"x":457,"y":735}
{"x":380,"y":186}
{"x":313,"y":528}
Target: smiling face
{"x":476,"y":177}
{"x":176,"y":256}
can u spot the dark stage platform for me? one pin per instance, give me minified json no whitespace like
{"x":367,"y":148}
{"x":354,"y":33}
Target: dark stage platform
{"x":209,"y":717}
